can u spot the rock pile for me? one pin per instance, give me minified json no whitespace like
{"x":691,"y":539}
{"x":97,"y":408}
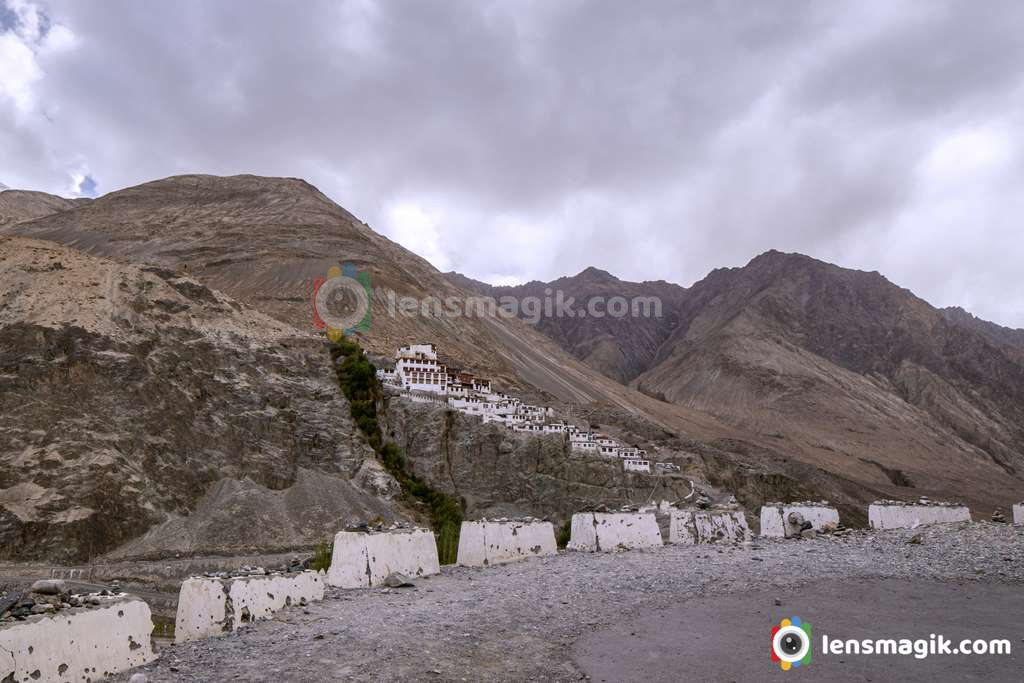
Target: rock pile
{"x":512,"y":520}
{"x":48,"y":596}
{"x":836,"y":530}
{"x":802,"y":519}
{"x":801,"y":503}
{"x":293,"y":566}
{"x":923,"y":500}
{"x":379,"y":525}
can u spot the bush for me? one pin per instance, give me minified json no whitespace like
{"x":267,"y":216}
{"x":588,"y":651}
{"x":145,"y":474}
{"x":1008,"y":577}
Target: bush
{"x":322,"y":557}
{"x":564,"y":534}
{"x":357,"y":377}
{"x":448,"y":543}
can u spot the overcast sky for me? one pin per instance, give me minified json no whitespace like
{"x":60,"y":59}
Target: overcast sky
{"x":522,"y":140}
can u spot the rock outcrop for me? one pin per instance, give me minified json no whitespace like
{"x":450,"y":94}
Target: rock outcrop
{"x":501,"y":473}
{"x":129,"y":394}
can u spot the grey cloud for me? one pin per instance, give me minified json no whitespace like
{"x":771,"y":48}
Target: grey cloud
{"x":932,"y":60}
{"x":654,"y":140}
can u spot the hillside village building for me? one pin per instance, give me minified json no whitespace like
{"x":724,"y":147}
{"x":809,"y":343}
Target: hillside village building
{"x":633,"y":465}
{"x":421,"y":377}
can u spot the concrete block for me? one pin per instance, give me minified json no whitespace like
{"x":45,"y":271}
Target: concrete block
{"x":363,"y":559}
{"x":900,"y":515}
{"x":605,"y":532}
{"x":779,"y":520}
{"x":687,"y":527}
{"x":485,"y":543}
{"x":78,"y":644}
{"x":1018,"y":514}
{"x":209,"y":607}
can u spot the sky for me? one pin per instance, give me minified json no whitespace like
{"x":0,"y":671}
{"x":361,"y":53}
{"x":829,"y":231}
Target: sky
{"x":521,"y":140}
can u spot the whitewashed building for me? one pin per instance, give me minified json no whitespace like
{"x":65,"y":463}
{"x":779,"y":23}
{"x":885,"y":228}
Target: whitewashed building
{"x":420,"y":376}
{"x":632,"y":465}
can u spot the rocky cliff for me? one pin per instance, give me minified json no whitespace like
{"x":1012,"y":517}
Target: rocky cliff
{"x":129,"y":396}
{"x":498,"y":472}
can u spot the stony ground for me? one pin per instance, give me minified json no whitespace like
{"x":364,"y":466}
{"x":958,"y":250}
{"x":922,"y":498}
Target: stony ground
{"x":521,"y":622}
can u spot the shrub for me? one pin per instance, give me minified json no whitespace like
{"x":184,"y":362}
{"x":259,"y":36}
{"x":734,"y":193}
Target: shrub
{"x":564,"y":534}
{"x":322,"y":557}
{"x":448,"y":543}
{"x":357,"y":377}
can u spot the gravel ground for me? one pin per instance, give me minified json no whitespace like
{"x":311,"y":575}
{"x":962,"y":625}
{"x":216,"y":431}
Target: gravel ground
{"x":521,"y":621}
{"x":726,"y":637}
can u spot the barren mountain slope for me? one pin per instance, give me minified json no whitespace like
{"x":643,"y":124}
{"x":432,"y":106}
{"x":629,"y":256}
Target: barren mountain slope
{"x":127,"y":394}
{"x":620,"y":347}
{"x":264,"y":240}
{"x":26,"y":205}
{"x":1008,"y":339}
{"x":817,"y":353}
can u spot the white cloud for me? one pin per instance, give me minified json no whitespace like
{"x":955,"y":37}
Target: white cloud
{"x":18,"y":72}
{"x":411,"y":226}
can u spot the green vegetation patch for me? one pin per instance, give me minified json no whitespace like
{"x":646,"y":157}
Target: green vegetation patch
{"x":357,"y":377}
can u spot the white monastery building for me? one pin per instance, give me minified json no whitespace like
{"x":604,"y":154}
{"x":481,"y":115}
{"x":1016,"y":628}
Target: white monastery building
{"x":420,"y":376}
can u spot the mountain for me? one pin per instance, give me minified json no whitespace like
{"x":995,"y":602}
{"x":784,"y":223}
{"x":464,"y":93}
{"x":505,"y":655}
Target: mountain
{"x":819,"y":359}
{"x":1005,"y":337}
{"x":264,"y":240}
{"x":787,"y":329}
{"x":788,"y":378}
{"x":24,"y":205}
{"x":618,"y":347}
{"x":131,"y":397}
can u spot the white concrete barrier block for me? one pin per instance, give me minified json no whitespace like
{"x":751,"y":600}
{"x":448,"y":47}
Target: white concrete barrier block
{"x":687,"y":527}
{"x":605,"y":532}
{"x":901,"y":515}
{"x":363,"y":559}
{"x":780,"y":520}
{"x":209,"y":607}
{"x":78,"y":644}
{"x":1018,"y":514}
{"x":486,"y":543}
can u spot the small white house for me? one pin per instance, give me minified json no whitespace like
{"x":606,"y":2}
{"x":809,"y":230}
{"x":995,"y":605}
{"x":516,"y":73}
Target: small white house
{"x":632,"y":465}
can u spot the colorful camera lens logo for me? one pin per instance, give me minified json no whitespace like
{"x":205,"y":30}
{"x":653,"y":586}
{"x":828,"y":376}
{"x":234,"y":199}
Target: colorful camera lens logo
{"x":791,"y":643}
{"x":341,"y":301}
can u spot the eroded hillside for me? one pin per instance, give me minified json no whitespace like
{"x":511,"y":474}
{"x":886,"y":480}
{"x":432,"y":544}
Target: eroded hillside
{"x":128,"y":395}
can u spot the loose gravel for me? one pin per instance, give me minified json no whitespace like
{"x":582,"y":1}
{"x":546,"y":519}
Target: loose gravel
{"x":520,"y":621}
